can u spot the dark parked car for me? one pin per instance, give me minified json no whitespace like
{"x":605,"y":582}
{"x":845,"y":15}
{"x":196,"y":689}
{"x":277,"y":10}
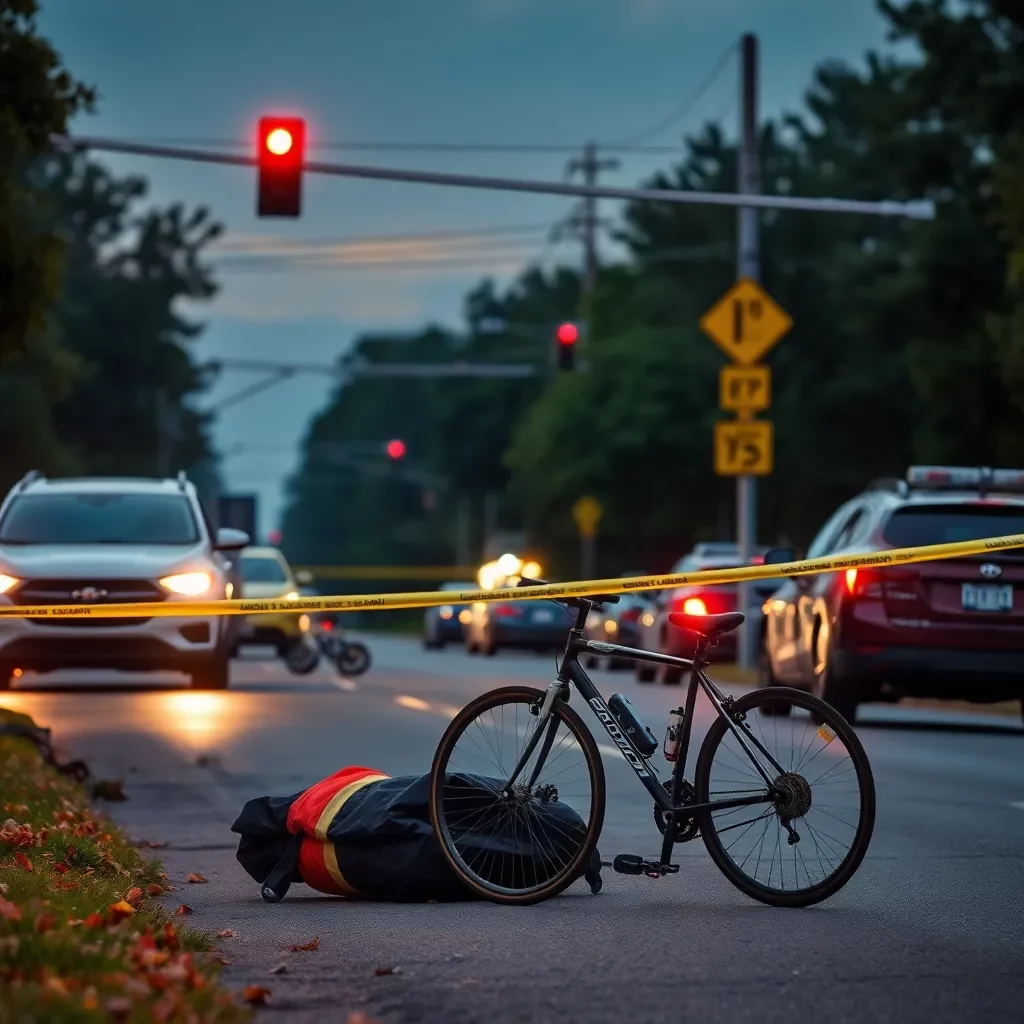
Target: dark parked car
{"x":445,"y":624}
{"x":620,"y":623}
{"x":657,"y":633}
{"x":534,"y":625}
{"x":946,"y":629}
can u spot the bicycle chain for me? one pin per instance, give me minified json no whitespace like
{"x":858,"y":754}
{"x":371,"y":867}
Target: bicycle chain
{"x":685,"y":828}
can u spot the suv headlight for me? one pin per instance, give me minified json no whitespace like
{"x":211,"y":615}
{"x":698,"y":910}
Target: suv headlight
{"x":189,"y":584}
{"x":6,"y":582}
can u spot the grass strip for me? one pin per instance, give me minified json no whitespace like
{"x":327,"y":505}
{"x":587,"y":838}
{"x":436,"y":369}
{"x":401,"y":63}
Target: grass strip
{"x":83,"y":934}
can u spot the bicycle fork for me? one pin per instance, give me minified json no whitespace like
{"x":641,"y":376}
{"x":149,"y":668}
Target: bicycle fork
{"x":547,"y":724}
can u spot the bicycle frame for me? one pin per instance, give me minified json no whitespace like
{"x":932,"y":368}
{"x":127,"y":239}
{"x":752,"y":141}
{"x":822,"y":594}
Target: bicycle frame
{"x":571,"y":672}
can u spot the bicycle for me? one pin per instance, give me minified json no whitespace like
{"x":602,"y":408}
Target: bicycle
{"x":524,"y":806}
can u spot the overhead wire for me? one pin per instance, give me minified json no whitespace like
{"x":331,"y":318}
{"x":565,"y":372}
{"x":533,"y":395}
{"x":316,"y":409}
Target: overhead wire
{"x":635,"y":141}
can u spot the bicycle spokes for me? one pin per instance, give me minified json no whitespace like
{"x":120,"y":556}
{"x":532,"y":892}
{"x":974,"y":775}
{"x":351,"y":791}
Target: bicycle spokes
{"x":802,"y":837}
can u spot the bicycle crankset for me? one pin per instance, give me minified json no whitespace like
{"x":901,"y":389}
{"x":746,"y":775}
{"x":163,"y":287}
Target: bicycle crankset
{"x":685,"y":828}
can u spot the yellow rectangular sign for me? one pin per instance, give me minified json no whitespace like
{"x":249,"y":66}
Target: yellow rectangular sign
{"x":744,"y":448}
{"x":744,"y":388}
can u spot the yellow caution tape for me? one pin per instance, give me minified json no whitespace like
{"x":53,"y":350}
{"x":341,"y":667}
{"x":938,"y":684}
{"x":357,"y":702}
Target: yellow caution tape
{"x":585,"y":588}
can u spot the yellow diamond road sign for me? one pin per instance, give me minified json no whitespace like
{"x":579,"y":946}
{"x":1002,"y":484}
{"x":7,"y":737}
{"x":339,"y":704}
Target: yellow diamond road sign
{"x":587,"y":513}
{"x":743,"y":448}
{"x":745,"y":323}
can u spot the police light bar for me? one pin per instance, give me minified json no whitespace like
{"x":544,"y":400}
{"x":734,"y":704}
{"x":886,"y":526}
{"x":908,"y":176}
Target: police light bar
{"x":982,"y":478}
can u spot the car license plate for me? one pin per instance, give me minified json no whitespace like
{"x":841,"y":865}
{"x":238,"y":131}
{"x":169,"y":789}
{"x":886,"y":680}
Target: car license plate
{"x":987,"y":599}
{"x":542,"y":615}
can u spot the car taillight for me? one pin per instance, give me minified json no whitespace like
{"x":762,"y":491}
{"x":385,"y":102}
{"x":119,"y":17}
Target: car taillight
{"x":507,"y":611}
{"x":863,"y":584}
{"x":694,"y":606}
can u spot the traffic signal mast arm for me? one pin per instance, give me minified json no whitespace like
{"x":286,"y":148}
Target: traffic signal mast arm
{"x":916,"y":209}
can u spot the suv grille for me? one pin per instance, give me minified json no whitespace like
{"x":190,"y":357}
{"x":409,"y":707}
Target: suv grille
{"x":69,"y":591}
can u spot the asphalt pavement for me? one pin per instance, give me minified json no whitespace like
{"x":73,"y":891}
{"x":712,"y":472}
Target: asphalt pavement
{"x":931,"y":929}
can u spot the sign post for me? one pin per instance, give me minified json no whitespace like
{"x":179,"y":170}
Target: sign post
{"x":745,"y":324}
{"x":587,"y":513}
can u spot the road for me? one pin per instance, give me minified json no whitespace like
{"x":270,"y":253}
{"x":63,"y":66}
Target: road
{"x":931,"y":929}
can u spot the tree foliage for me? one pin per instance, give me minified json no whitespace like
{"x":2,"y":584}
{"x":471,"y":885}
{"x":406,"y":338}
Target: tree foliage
{"x":908,"y":338}
{"x":94,"y":353}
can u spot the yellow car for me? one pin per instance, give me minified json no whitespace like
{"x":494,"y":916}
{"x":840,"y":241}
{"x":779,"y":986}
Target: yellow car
{"x":266,"y":575}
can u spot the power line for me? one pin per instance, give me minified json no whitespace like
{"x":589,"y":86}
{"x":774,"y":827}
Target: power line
{"x":270,"y":264}
{"x":525,"y":148}
{"x":424,"y":236}
{"x":634,"y":141}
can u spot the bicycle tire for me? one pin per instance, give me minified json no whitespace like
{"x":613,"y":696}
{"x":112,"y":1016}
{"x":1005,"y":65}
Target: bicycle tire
{"x":821,"y":712}
{"x":458,"y":725}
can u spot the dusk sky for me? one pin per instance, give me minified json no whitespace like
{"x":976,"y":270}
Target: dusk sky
{"x":518,"y":72}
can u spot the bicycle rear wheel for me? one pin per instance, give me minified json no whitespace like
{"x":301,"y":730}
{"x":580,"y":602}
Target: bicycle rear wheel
{"x":526,"y":844}
{"x":828,"y":799}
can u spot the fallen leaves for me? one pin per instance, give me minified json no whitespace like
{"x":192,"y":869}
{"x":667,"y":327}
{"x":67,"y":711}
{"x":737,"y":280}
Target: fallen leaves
{"x":307,"y":947}
{"x":279,"y":969}
{"x":133,"y":896}
{"x":226,"y":933}
{"x":183,"y":910}
{"x":196,"y":878}
{"x":120,"y":910}
{"x":381,"y":971}
{"x":23,"y":861}
{"x":9,"y":911}
{"x":44,"y":923}
{"x":256,"y":995}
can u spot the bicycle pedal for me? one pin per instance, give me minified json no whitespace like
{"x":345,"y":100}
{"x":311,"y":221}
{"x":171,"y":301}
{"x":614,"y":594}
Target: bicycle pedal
{"x":630,"y":864}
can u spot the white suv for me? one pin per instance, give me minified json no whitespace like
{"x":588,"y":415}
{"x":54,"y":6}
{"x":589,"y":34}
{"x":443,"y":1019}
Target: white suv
{"x":113,"y":539}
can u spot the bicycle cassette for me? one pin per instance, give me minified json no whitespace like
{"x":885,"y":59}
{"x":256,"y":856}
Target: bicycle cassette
{"x":685,"y":828}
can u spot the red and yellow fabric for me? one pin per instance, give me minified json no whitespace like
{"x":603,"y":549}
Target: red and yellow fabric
{"x":312,"y":814}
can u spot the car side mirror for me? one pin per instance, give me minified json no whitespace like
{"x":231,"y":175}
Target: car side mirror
{"x":304,"y":577}
{"x":779,"y":556}
{"x":231,"y":540}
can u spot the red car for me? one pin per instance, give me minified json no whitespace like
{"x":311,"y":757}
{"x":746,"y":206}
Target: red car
{"x":951,"y":629}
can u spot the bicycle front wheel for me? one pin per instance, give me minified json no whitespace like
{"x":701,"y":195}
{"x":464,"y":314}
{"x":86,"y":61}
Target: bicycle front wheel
{"x":526,"y":841}
{"x":805,"y":845}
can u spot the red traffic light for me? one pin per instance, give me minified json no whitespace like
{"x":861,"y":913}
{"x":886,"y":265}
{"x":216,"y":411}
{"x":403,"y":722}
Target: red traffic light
{"x":568,"y":334}
{"x":279,"y":141}
{"x":396,"y":449}
{"x":280,"y":154}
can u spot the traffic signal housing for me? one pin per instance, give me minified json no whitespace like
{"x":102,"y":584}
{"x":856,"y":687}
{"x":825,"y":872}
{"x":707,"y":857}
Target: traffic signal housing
{"x":565,"y":346}
{"x":281,"y":152}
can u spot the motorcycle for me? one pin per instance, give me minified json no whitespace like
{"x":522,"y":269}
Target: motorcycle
{"x":351,"y":657}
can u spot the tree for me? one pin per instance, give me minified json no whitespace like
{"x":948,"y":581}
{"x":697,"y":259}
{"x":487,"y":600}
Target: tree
{"x":37,"y":98}
{"x":129,"y":271}
{"x":457,"y":431}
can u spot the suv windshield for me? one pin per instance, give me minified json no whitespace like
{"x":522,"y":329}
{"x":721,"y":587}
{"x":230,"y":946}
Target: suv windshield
{"x":263,"y":570}
{"x":946,"y":524}
{"x":99,"y":519}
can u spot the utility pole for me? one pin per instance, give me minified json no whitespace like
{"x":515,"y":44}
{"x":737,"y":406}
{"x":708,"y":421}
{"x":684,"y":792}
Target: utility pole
{"x":490,"y":517}
{"x":586,"y":220}
{"x":163,"y":461}
{"x":748,"y":260}
{"x":462,"y":550}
